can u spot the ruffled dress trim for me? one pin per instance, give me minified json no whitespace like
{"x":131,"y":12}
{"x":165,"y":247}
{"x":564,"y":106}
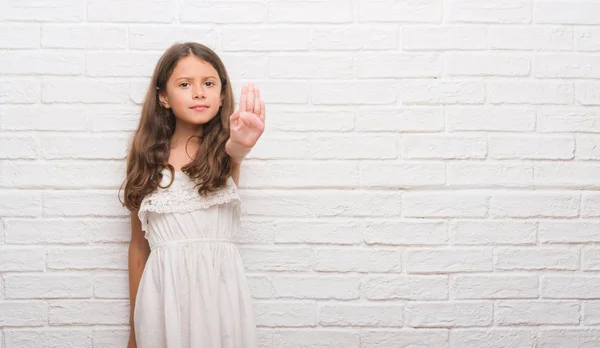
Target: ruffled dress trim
{"x":182,"y":197}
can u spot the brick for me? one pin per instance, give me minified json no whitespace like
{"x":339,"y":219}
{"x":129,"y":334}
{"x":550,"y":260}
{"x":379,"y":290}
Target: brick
{"x":558,"y":337}
{"x":279,"y":259}
{"x":569,"y":120}
{"x":19,"y":146}
{"x":531,"y":147}
{"x":82,"y":203}
{"x":49,"y":337}
{"x":566,"y":12}
{"x":485,"y":64}
{"x":590,"y":204}
{"x":316,"y":287}
{"x":448,"y":37}
{"x":534,"y":204}
{"x":47,"y":231}
{"x":323,"y":204}
{"x":148,"y":37}
{"x":314,"y":231}
{"x":77,"y":312}
{"x":478,"y":232}
{"x":405,"y":232}
{"x":265,"y":39}
{"x":563,"y":232}
{"x":529,"y":92}
{"x":111,"y":286}
{"x":35,"y":11}
{"x":62,"y":175}
{"x":469,"y":174}
{"x":353,"y":92}
{"x":387,"y":338}
{"x":496,"y":11}
{"x":486,"y":118}
{"x":587,"y":39}
{"x":562,"y":259}
{"x":444,"y":204}
{"x":335,"y":11}
{"x":106,"y":338}
{"x":215,"y":12}
{"x":20,"y":91}
{"x":311,"y":338}
{"x":261,"y":287}
{"x":44,"y":117}
{"x":455,"y":260}
{"x":358,"y":260}
{"x":587,"y":147}
{"x":587,"y":93}
{"x":19,"y":35}
{"x":41,"y":63}
{"x":311,"y":119}
{"x":84,"y":36}
{"x":531,"y":38}
{"x":428,"y":11}
{"x":570,"y":287}
{"x":401,"y":174}
{"x":385,"y":65}
{"x":350,"y":314}
{"x":310,"y":66}
{"x":328,"y":174}
{"x":443,"y":146}
{"x":494,"y":338}
{"x":84,"y":90}
{"x":84,"y":146}
{"x":114,"y":258}
{"x":161,"y":11}
{"x":529,"y":312}
{"x":120,"y":64}
{"x":405,"y":119}
{"x":449,"y":315}
{"x":15,"y":203}
{"x":591,"y":313}
{"x":354,"y":37}
{"x":433,"y":92}
{"x":285,"y":313}
{"x":565,"y":65}
{"x":580,"y":175}
{"x":405,"y":287}
{"x":23,"y":313}
{"x":481,"y":287}
{"x":22,"y":259}
{"x":48,"y":286}
{"x":590,"y":259}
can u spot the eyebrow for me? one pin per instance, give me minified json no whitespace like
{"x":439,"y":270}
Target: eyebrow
{"x":191,"y":78}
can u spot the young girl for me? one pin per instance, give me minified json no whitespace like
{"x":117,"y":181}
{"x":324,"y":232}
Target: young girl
{"x":187,"y":282}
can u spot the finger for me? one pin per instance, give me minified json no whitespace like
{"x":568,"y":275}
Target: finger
{"x":243,"y":98}
{"x":234,"y":118}
{"x":262,"y":111}
{"x":250,"y":100}
{"x":257,"y":104}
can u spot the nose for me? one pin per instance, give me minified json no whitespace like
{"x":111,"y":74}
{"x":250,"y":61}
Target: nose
{"x":198,"y":92}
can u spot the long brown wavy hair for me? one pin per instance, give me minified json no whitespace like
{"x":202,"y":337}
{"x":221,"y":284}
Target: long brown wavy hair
{"x":150,"y":147}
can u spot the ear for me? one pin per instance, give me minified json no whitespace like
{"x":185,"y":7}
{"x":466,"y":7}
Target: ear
{"x":164,"y":101}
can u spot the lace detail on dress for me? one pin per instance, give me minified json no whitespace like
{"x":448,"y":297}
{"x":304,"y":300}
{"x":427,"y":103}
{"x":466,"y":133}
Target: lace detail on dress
{"x":182,"y":197}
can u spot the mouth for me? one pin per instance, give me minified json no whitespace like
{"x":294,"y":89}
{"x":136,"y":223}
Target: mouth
{"x":199,"y":107}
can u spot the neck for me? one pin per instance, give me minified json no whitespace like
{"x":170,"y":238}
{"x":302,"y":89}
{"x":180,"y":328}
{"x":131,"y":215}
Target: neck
{"x":182,"y":135}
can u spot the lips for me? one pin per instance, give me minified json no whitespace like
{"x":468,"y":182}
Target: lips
{"x":199,"y":107}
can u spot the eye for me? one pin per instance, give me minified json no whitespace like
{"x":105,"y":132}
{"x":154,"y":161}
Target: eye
{"x":184,"y":84}
{"x":211,"y":83}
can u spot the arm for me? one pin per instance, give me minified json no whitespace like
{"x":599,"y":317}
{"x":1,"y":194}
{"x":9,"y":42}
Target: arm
{"x":139,"y":250}
{"x":237,"y":154}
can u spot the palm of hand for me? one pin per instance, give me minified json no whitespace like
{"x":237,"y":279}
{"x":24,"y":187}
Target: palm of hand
{"x":248,"y":122}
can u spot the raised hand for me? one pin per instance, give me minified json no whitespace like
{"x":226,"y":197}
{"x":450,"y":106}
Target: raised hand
{"x":248,"y":122}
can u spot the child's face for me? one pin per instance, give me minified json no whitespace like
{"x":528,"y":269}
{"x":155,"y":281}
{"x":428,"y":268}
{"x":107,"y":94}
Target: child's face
{"x":193,"y":91}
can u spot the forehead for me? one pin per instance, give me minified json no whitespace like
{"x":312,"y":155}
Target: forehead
{"x":193,"y":67}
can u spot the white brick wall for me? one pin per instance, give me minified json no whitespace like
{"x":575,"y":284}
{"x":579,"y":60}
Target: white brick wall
{"x":429,"y":176}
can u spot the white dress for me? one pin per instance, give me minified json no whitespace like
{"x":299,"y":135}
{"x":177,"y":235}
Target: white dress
{"x":193,"y":291}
